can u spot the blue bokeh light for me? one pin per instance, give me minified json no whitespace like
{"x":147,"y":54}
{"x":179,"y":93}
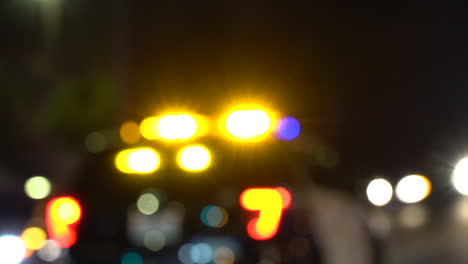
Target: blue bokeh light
{"x":289,"y":128}
{"x":201,"y":253}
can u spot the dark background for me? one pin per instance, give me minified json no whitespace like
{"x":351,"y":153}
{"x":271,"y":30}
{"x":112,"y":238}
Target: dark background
{"x":382,"y":84}
{"x":379,"y":87}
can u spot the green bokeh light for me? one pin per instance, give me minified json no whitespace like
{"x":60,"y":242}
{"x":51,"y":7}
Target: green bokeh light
{"x":37,"y":187}
{"x":148,"y":204}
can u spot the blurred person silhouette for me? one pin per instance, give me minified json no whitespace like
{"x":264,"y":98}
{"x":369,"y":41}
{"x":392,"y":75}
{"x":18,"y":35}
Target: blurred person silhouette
{"x":322,"y":225}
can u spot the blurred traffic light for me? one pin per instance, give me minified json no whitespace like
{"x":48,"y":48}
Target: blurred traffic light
{"x":137,"y":160}
{"x":62,"y":215}
{"x":251,"y":124}
{"x":270,"y":202}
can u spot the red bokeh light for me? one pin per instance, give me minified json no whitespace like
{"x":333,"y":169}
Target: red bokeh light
{"x":62,"y":215}
{"x":270,"y":203}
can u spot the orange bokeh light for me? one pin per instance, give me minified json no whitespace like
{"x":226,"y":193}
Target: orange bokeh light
{"x":270,"y":203}
{"x":62,"y":214}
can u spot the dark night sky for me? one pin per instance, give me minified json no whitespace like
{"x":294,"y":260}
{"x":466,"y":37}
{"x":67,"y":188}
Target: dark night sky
{"x":383,"y":84}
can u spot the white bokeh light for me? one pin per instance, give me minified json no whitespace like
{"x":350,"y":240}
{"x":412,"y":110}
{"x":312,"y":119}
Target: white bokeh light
{"x":12,"y":249}
{"x":50,"y":252}
{"x":413,"y":189}
{"x":460,"y":176}
{"x":379,"y":192}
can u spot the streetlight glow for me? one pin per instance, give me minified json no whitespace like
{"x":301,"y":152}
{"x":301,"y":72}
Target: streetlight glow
{"x":12,"y":249}
{"x":172,"y":127}
{"x":460,"y":177}
{"x":250,"y":124}
{"x":379,"y":192}
{"x":177,"y":127}
{"x":137,"y":160}
{"x":194,"y":158}
{"x":413,"y":188}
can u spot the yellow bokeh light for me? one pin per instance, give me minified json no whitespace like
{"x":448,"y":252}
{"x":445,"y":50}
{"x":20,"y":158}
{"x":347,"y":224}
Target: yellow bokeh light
{"x":250,"y":124}
{"x":130,"y":132}
{"x":379,"y":192}
{"x":194,"y":158}
{"x":177,"y":127}
{"x":269,"y":203}
{"x":34,"y":238}
{"x":137,"y":160}
{"x":65,"y":211}
{"x":148,"y":128}
{"x":413,"y":188}
{"x":172,"y":127}
{"x":37,"y":187}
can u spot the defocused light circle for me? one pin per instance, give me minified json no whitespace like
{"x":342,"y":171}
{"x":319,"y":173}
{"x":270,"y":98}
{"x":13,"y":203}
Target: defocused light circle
{"x":413,"y":216}
{"x":214,"y":216}
{"x":172,"y":127}
{"x":50,"y":251}
{"x":460,"y":177}
{"x":248,"y":125}
{"x":130,"y":132}
{"x":184,"y":254}
{"x":380,"y":222}
{"x":12,"y":249}
{"x":194,"y":158}
{"x":461,"y":210}
{"x":132,"y":258}
{"x":37,"y":187}
{"x":201,"y":253}
{"x":96,"y":142}
{"x":167,"y":127}
{"x":34,"y":238}
{"x":143,"y":160}
{"x":148,"y":128}
{"x":154,"y":240}
{"x":289,"y":128}
{"x":413,"y":188}
{"x":223,"y":255}
{"x":379,"y":192}
{"x":285,"y":196}
{"x":138,"y":160}
{"x":148,"y":204}
{"x":65,"y":210}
